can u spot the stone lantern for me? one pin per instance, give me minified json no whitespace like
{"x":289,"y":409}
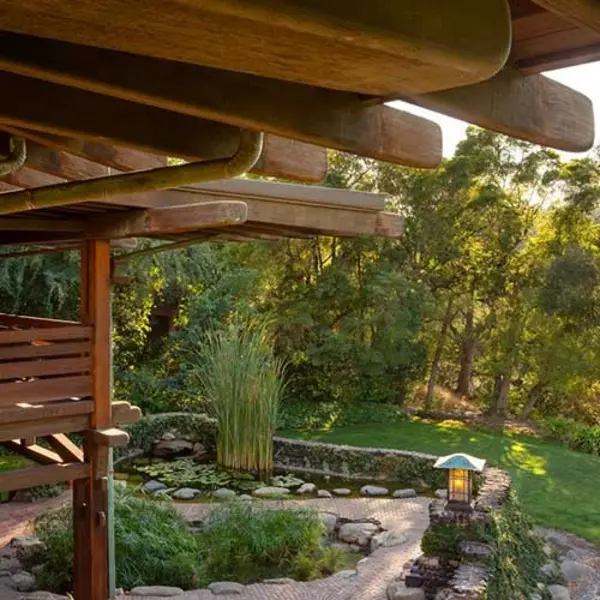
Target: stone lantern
{"x":460,"y":469}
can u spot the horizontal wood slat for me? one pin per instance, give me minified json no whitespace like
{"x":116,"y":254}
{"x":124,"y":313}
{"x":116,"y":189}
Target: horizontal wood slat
{"x":27,"y":478}
{"x":33,"y":452}
{"x":53,"y":349}
{"x":24,"y":321}
{"x":44,"y":426}
{"x":42,"y":390}
{"x":71,"y":332}
{"x":44,"y":368}
{"x":28,"y":412}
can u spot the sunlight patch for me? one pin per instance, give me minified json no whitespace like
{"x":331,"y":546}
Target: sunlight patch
{"x":521,"y":457}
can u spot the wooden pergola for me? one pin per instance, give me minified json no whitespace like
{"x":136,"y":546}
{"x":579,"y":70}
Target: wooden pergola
{"x":99,"y":97}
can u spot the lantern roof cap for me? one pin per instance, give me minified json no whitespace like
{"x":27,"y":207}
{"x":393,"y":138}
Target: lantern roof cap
{"x":460,"y":461}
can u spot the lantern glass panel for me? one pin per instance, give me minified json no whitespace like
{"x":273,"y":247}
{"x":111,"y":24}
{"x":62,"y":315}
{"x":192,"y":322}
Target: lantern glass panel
{"x":459,"y":486}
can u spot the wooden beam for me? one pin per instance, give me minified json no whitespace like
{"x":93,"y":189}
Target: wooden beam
{"x":125,"y":414}
{"x":34,"y":322}
{"x":65,"y":448}
{"x":28,"y":178}
{"x":35,"y":224}
{"x":534,"y":108}
{"x":376,"y":48}
{"x":111,"y":437}
{"x":115,"y":157}
{"x":335,"y":120}
{"x":583,"y":13}
{"x":176,"y":219}
{"x":34,"y":452}
{"x":32,"y":477}
{"x":45,"y":390}
{"x":69,"y":332}
{"x":37,"y":412}
{"x":129,"y":124}
{"x":46,"y":367}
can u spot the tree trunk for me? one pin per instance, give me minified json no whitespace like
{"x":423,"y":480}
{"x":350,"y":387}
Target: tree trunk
{"x":533,"y":396}
{"x":467,"y":354}
{"x":437,"y":356}
{"x":502,"y":397}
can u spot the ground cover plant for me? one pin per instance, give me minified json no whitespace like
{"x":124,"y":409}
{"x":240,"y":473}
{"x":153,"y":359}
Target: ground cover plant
{"x":241,"y":541}
{"x":559,"y":487}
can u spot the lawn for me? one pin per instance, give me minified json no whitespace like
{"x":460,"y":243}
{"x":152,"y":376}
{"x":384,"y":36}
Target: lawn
{"x":560,"y":488}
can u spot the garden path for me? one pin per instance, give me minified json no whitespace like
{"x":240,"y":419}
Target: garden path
{"x":408,"y":517}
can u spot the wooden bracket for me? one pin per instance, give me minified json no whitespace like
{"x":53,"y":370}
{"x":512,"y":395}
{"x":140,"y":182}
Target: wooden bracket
{"x":111,"y":437}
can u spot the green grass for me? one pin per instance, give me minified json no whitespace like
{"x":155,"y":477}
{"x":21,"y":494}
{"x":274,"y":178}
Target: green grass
{"x":557,"y":486}
{"x":8,"y":462}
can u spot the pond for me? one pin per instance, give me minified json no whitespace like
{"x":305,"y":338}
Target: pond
{"x":203,"y":475}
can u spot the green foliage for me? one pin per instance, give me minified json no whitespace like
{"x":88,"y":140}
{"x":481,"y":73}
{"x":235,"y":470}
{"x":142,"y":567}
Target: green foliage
{"x":518,"y":555}
{"x":324,"y":415}
{"x":247,"y":542}
{"x":573,"y":434}
{"x":558,"y":486}
{"x":153,"y":546}
{"x":244,"y":384}
{"x":198,"y":427}
{"x":444,"y":540}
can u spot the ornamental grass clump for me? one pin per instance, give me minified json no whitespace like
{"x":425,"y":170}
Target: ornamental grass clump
{"x":244,"y":384}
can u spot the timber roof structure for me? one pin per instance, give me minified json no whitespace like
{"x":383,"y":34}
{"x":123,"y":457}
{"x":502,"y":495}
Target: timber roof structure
{"x":102,"y":88}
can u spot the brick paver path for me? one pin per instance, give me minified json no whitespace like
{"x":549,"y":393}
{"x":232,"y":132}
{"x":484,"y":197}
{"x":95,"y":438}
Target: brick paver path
{"x":409,"y":517}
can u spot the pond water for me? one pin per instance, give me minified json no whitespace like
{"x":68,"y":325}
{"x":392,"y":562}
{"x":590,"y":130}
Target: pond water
{"x":204,"y":475}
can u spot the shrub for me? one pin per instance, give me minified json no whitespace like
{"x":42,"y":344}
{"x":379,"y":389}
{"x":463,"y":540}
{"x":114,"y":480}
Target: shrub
{"x":572,"y":434}
{"x":246,"y":542}
{"x":244,"y":384}
{"x":153,"y":546}
{"x":309,"y":415}
{"x":518,"y":555}
{"x":444,"y":540}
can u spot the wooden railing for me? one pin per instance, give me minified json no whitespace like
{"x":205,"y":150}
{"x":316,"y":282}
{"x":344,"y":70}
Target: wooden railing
{"x":43,"y":364}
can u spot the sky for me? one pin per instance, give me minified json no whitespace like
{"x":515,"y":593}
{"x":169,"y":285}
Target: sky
{"x":583,"y":78}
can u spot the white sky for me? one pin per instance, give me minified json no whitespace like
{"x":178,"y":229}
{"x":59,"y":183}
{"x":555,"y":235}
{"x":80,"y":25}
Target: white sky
{"x":583,"y":78}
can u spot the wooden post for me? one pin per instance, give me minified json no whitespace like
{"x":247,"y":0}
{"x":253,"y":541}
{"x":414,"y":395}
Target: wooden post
{"x":90,"y":497}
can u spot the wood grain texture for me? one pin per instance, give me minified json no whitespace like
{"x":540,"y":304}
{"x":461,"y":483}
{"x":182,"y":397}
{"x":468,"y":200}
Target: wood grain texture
{"x":37,"y":322}
{"x":33,"y":452}
{"x":26,"y":177}
{"x":35,"y":476}
{"x":40,"y":390}
{"x":39,"y":412}
{"x":175,"y":219}
{"x":70,"y":332}
{"x":111,"y":437}
{"x":64,"y":447}
{"x":583,"y":13}
{"x":50,"y":350}
{"x":45,"y":426}
{"x":534,"y":108}
{"x":376,"y":48}
{"x":44,"y":367}
{"x":335,"y":120}
{"x":66,"y":112}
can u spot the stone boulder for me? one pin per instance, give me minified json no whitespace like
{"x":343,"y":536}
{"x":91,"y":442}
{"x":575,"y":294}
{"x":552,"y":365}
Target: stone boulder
{"x":441,"y":494}
{"x":9,"y":565}
{"x":324,"y":494}
{"x":576,"y":571}
{"x":223,"y":494}
{"x":186,"y":494}
{"x":387,"y":539}
{"x":153,"y":486}
{"x":404,"y":494}
{"x":161,"y":591}
{"x":22,"y":581}
{"x":270,"y":492}
{"x":373,"y":490}
{"x":279,"y":581}
{"x":25,"y":547}
{"x":559,"y":592}
{"x":330,"y":520}
{"x":342,"y":491}
{"x":172,"y":448}
{"x":223,"y":588}
{"x":398,"y":591}
{"x":307,"y":488}
{"x":359,"y":533}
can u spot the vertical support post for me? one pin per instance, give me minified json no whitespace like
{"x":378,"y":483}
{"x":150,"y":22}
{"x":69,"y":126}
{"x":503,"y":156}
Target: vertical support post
{"x":90,"y":496}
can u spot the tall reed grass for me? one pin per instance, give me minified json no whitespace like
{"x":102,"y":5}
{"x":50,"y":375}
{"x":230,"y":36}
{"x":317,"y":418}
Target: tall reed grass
{"x":244,"y":385}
